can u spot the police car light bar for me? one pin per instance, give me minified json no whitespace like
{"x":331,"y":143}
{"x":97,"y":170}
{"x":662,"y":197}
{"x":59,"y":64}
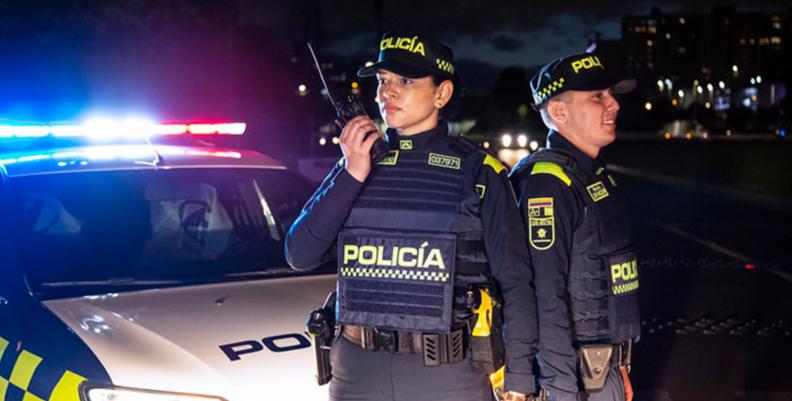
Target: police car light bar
{"x":111,"y":129}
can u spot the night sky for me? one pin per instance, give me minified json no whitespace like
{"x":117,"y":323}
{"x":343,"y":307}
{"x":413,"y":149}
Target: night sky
{"x":216,"y":59}
{"x":502,"y":33}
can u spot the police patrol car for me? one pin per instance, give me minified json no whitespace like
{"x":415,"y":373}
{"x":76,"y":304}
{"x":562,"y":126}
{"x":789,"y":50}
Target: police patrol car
{"x":136,"y":270}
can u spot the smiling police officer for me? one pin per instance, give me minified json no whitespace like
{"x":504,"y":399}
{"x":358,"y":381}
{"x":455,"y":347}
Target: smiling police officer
{"x":428,"y":243}
{"x":585,"y":272}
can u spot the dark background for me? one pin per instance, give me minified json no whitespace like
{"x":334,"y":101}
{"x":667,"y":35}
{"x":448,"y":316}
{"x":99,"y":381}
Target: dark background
{"x":244,"y":60}
{"x":703,"y":154}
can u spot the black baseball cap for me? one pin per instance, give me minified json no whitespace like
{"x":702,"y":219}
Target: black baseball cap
{"x":413,"y":56}
{"x":581,"y":72}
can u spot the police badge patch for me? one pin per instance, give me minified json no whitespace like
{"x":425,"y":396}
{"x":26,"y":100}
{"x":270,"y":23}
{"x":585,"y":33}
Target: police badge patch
{"x":541,"y":223}
{"x":480,"y":190}
{"x":390,"y":159}
{"x":597,"y":191}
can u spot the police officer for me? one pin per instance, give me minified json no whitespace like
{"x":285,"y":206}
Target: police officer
{"x":586,"y":274}
{"x":420,"y":238}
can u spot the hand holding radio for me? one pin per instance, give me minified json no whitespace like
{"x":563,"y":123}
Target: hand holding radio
{"x":346,"y":112}
{"x":357,"y":140}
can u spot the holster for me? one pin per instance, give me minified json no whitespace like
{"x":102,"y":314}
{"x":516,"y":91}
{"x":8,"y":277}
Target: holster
{"x":595,"y":362}
{"x":321,"y":327}
{"x":486,"y":336}
{"x":597,"y":359}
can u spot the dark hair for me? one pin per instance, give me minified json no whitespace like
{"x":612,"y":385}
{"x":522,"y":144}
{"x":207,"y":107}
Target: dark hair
{"x":454,"y":105}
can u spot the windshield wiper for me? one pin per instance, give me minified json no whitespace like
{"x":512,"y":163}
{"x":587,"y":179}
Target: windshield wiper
{"x":269,"y":272}
{"x":119,"y":281}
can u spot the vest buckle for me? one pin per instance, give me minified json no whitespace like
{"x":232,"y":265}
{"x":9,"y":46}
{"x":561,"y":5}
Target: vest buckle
{"x":441,"y":349}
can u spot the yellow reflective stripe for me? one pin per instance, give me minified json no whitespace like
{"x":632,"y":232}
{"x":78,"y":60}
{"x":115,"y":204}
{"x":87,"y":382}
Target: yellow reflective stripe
{"x":3,"y":381}
{"x":3,"y":346}
{"x":494,"y":163}
{"x":552,"y":169}
{"x":66,"y":389}
{"x":3,"y":388}
{"x":394,"y":274}
{"x":31,"y":397}
{"x":23,"y":370}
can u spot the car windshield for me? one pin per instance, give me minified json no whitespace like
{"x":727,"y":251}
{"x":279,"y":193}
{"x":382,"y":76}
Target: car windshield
{"x":154,"y":226}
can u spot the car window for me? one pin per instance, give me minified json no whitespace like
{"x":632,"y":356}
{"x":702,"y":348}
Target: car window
{"x":152,"y":225}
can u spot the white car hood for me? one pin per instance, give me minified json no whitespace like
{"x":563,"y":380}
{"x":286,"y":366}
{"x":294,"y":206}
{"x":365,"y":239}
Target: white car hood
{"x":169,"y":339}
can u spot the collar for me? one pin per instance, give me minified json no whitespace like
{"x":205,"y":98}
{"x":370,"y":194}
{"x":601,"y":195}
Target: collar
{"x":557,"y":141}
{"x":421,"y":140}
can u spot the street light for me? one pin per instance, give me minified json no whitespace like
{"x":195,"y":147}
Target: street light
{"x":721,"y":85}
{"x":522,"y":140}
{"x":735,"y":69}
{"x":660,"y":84}
{"x":534,"y":145}
{"x":648,"y":106}
{"x":506,"y":140}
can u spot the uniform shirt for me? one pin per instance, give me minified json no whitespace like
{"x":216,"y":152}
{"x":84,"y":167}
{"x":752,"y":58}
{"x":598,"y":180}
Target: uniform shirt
{"x":557,"y":356}
{"x":311,"y":242}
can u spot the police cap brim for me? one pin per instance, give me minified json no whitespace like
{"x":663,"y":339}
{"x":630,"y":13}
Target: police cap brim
{"x":398,"y":67}
{"x":617,"y":83}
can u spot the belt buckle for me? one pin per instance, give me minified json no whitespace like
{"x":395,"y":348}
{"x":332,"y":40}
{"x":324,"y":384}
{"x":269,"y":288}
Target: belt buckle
{"x":386,"y":340}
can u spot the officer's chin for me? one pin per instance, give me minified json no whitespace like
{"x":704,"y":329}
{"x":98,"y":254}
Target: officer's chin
{"x":392,"y":121}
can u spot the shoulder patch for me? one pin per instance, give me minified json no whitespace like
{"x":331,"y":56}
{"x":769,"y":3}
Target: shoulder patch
{"x":552,"y":169}
{"x":541,"y":223}
{"x":494,"y":163}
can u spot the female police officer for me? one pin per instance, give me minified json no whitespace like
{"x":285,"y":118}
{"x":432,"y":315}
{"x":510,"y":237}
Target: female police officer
{"x":418,"y":236}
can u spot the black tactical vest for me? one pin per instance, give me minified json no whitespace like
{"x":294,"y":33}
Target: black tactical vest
{"x":603,"y":274}
{"x":413,"y":240}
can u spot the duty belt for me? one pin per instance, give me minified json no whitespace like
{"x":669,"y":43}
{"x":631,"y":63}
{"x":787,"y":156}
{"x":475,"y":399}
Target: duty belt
{"x":437,"y":348}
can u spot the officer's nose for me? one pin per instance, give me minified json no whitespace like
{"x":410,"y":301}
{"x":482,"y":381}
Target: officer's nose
{"x":387,"y":91}
{"x":613,"y":104}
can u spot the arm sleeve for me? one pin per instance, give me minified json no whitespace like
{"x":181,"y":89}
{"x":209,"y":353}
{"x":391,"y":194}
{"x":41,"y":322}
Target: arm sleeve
{"x":557,"y":356}
{"x":504,"y":240}
{"x":309,"y":242}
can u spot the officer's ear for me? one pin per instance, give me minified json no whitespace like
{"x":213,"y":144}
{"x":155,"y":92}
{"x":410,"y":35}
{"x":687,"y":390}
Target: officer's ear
{"x":443,"y":93}
{"x":557,"y":111}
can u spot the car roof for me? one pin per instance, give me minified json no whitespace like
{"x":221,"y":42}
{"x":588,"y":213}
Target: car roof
{"x":117,"y":157}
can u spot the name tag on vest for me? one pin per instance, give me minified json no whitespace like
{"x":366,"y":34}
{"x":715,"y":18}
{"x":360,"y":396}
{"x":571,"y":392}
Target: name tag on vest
{"x":396,"y":281}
